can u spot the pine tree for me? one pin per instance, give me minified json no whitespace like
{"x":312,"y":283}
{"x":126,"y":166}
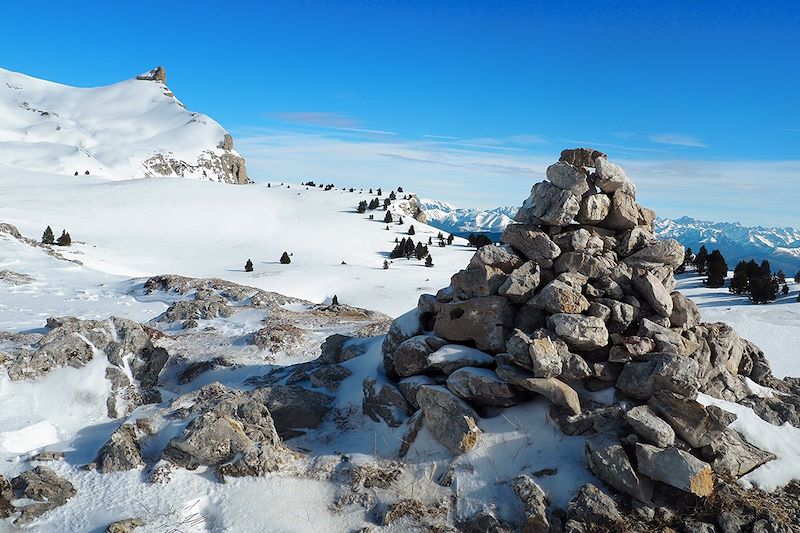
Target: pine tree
{"x":400,"y":222}
{"x":785,"y":289}
{"x":362,"y":206}
{"x":388,"y":218}
{"x":385,"y":264}
{"x":49,"y":238}
{"x":248,"y":267}
{"x":380,"y":192}
{"x":419,"y":251}
{"x":717,"y":269}
{"x":65,"y":239}
{"x":781,"y":276}
{"x":740,"y":283}
{"x":392,"y":196}
{"x":335,"y":300}
{"x":450,"y":239}
{"x":411,"y":230}
{"x":429,"y":261}
{"x":688,"y":257}
{"x":700,"y":260}
{"x":269,"y":185}
{"x":399,"y":189}
{"x":797,"y":277}
{"x":285,"y":259}
{"x":409,"y":249}
{"x":430,"y":240}
{"x":762,"y":290}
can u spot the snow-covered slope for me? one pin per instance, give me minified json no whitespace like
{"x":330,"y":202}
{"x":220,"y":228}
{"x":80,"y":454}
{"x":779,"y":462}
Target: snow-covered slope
{"x":138,"y":228}
{"x":133,"y":129}
{"x":463,"y":220}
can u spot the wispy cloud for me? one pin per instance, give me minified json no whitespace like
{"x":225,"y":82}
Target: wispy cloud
{"x":793,"y":130}
{"x":678,"y":139}
{"x":326,"y":119}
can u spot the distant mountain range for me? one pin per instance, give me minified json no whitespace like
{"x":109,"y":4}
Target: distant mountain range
{"x":780,"y":246}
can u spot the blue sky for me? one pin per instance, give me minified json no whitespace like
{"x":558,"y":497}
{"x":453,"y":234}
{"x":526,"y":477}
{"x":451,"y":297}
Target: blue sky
{"x":465,"y":101}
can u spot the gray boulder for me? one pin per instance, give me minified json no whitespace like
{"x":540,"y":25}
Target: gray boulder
{"x":581,"y":157}
{"x":553,"y":389}
{"x":384,"y":402}
{"x":481,"y":386}
{"x":594,"y":209}
{"x":485,"y":321}
{"x":559,"y":297}
{"x":411,"y":357}
{"x":340,"y":348}
{"x":660,"y":371}
{"x":592,"y":506}
{"x":500,"y":257}
{"x":734,"y":457}
{"x":293,"y":408}
{"x":611,"y":178}
{"x":121,"y":452}
{"x":590,"y":266}
{"x":670,"y":253}
{"x":531,"y":242}
{"x":695,"y":423}
{"x":567,"y":177}
{"x":521,"y":284}
{"x":623,"y":213}
{"x":579,"y":331}
{"x":534,"y":505}
{"x":685,"y":314}
{"x":652,"y":291}
{"x":609,"y":462}
{"x":476,"y":282}
{"x":451,"y":421}
{"x":548,"y":204}
{"x":650,"y":427}
{"x":676,"y":468}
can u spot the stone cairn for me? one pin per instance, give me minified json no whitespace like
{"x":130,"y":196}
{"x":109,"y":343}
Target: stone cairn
{"x":579,"y":297}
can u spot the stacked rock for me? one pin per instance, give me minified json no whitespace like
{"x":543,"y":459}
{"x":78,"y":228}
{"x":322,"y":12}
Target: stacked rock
{"x":580,"y":297}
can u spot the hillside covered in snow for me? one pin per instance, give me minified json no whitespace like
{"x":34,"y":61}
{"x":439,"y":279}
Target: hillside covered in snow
{"x":132,"y":129}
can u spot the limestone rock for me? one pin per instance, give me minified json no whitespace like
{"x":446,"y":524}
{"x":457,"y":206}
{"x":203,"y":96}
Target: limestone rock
{"x":411,"y":357}
{"x":609,"y":462}
{"x":732,"y":456}
{"x":580,"y":157}
{"x":650,"y":427}
{"x":565,"y":176}
{"x":593,"y":506}
{"x":670,"y":253}
{"x":481,"y":386}
{"x":579,"y":331}
{"x":293,"y":408}
{"x":476,"y":282}
{"x":590,"y":266}
{"x":451,"y":421}
{"x":685,"y":313}
{"x":555,"y":390}
{"x":594,"y":209}
{"x":611,"y":178}
{"x":451,"y":357}
{"x":558,"y":297}
{"x":660,"y":371}
{"x":531,"y":242}
{"x":384,"y":402}
{"x":534,"y":505}
{"x":485,"y":321}
{"x":43,"y":486}
{"x":548,"y":204}
{"x":623,"y":213}
{"x":520,"y":285}
{"x":500,"y":257}
{"x":340,"y":348}
{"x":676,"y":468}
{"x":652,"y":291}
{"x":695,"y":423}
{"x":121,"y":452}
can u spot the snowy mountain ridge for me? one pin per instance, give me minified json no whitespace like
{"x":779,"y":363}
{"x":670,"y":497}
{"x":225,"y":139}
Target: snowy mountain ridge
{"x":464,"y":220}
{"x":781,"y":246}
{"x":136,"y":128}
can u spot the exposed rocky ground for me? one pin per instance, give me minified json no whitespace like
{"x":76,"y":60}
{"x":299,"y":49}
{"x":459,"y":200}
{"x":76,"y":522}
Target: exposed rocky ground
{"x":575,"y":308}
